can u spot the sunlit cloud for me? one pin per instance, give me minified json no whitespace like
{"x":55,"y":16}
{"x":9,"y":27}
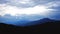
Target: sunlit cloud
{"x":29,"y":7}
{"x":39,"y":9}
{"x":13,"y":10}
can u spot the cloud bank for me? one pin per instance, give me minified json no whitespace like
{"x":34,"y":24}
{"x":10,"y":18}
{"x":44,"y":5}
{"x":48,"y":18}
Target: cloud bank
{"x":48,"y":8}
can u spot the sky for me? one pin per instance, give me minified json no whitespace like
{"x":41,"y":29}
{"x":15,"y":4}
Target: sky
{"x":30,"y":9}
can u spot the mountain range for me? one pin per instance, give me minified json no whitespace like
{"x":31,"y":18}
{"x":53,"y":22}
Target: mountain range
{"x":45,"y":24}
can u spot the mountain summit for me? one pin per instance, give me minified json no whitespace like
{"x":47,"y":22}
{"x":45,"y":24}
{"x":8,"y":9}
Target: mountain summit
{"x":41,"y":21}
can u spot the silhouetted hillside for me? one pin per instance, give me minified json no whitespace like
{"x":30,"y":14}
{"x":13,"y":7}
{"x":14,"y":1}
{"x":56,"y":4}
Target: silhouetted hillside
{"x":48,"y":25}
{"x":41,"y":21}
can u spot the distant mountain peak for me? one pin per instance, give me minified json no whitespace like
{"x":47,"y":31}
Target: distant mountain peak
{"x":45,"y":19}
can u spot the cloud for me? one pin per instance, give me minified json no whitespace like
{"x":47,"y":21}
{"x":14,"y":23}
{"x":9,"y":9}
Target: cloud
{"x":13,"y":10}
{"x":46,"y":8}
{"x":38,"y":9}
{"x":26,"y":3}
{"x":3,"y":1}
{"x":53,"y":4}
{"x":20,"y":3}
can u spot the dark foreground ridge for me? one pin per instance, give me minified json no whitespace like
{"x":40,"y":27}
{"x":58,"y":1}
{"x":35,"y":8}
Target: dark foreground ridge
{"x":49,"y":25}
